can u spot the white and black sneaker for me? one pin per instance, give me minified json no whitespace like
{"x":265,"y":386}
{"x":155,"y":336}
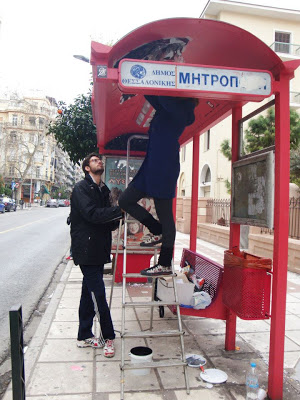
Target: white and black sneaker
{"x":90,"y":342}
{"x":151,"y":240}
{"x":157,"y":270}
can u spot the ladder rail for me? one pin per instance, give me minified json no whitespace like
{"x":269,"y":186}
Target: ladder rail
{"x":115,"y":265}
{"x":171,"y":363}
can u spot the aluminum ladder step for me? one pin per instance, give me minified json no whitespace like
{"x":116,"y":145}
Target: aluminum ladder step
{"x":137,"y":275}
{"x":150,"y":304}
{"x":154,"y":364}
{"x":145,"y":334}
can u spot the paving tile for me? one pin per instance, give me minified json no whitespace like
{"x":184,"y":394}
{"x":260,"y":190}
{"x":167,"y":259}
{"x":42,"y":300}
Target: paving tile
{"x":63,"y":330}
{"x":61,"y":378}
{"x":63,"y":397}
{"x":290,"y":298}
{"x":294,"y":308}
{"x":137,"y":396}
{"x":291,"y":358}
{"x":130,"y":326}
{"x":260,"y":342}
{"x":108,"y":379}
{"x":161,"y":325}
{"x":205,"y":326}
{"x":72,"y":293}
{"x":173,"y":377}
{"x":206,"y":394}
{"x":236,"y":367}
{"x":214,"y":345}
{"x":66,"y":314}
{"x":116,"y":314}
{"x":295,"y":336}
{"x":144,"y":313}
{"x":292,"y":322}
{"x":69,"y":302}
{"x":65,"y":350}
{"x":251,"y":326}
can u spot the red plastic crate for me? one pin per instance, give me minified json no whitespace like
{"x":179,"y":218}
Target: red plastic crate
{"x":247,"y":285}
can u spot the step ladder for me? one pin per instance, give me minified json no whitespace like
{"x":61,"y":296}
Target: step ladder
{"x":149,"y":333}
{"x":153,"y":303}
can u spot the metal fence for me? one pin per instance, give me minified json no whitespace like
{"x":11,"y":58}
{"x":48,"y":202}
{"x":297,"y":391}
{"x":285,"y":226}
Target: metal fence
{"x":218,"y":212}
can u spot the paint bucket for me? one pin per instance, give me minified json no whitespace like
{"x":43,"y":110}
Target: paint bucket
{"x":140,"y":355}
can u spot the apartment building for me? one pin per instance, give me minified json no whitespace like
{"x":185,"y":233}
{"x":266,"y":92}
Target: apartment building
{"x":28,"y":156}
{"x":280,"y":29}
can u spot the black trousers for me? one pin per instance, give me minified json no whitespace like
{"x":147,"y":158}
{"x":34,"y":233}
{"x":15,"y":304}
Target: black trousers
{"x":93,"y":302}
{"x":165,"y":226}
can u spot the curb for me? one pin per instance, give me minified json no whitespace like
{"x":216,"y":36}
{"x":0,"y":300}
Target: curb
{"x":37,"y":342}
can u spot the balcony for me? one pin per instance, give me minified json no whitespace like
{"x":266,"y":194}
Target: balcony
{"x":286,"y":51}
{"x":295,"y":99}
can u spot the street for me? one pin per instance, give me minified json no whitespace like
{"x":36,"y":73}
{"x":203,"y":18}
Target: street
{"x":33,"y":241}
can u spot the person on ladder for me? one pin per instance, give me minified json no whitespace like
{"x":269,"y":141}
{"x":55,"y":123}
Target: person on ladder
{"x":157,"y":176}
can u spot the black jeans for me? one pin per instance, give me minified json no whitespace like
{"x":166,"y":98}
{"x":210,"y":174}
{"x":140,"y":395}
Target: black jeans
{"x":165,"y":226}
{"x":93,"y":302}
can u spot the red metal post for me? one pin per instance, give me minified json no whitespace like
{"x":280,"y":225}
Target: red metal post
{"x":195,"y":189}
{"x":234,"y":237}
{"x":280,"y":251}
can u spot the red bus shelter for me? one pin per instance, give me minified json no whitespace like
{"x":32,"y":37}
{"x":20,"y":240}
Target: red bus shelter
{"x":225,"y":67}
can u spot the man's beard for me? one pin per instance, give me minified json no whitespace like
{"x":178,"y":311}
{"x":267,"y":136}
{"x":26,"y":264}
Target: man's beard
{"x":99,"y":171}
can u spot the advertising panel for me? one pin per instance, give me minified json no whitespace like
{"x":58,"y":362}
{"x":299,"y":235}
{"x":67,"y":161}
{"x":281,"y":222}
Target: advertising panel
{"x":115,"y":179}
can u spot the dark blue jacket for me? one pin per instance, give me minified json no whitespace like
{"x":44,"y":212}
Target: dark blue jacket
{"x":92,"y":220}
{"x":159,"y":172}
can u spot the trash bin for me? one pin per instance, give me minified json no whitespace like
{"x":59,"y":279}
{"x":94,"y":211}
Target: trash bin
{"x":247,"y":284}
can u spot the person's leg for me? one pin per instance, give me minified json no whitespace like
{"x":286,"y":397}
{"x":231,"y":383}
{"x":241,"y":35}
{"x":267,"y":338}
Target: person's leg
{"x":86,"y":313}
{"x":164,"y":210}
{"x":93,"y":275}
{"x":128,"y":202}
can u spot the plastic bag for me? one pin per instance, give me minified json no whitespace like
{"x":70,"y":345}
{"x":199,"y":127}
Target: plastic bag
{"x":200,"y":300}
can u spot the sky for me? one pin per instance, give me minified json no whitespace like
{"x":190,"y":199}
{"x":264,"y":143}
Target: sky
{"x":38,"y":38}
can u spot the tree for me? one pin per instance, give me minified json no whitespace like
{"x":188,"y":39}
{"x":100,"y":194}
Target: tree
{"x":74,"y":129}
{"x":261,"y":134}
{"x":261,"y":131}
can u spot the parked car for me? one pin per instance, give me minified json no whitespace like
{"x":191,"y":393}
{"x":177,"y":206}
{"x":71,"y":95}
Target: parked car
{"x":52,"y":203}
{"x":67,"y":202}
{"x":10,"y":204}
{"x":2,"y":206}
{"x":61,"y":203}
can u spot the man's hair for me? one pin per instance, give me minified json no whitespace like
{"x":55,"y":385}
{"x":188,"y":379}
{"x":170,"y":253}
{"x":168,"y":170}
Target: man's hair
{"x":86,"y":161}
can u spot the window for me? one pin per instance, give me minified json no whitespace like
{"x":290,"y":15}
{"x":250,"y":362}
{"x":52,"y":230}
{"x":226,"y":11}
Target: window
{"x":13,"y":137}
{"x":32,"y":121}
{"x":41,"y":123}
{"x":282,"y":42}
{"x":11,"y":170}
{"x":183,"y":153}
{"x":38,"y":172}
{"x":31,"y":138}
{"x":207,"y":140}
{"x":15,"y":120}
{"x":207,"y":178}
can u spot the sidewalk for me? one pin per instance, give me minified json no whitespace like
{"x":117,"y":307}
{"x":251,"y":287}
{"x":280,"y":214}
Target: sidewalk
{"x":56,"y":369}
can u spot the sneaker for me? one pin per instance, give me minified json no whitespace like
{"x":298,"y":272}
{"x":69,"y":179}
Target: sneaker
{"x":90,"y":342}
{"x":157,"y":270}
{"x":109,"y":348}
{"x":69,"y":258}
{"x":151,"y":240}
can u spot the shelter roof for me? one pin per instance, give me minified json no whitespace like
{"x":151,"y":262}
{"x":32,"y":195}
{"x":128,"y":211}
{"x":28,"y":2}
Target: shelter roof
{"x":201,"y":41}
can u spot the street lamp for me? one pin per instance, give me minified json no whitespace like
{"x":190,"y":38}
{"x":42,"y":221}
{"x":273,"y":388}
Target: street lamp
{"x":81,"y":58}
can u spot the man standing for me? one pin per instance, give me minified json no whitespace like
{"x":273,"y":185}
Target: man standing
{"x":92,"y":220}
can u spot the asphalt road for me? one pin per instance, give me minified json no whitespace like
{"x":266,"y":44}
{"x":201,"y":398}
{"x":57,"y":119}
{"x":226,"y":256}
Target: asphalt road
{"x":32,"y":244}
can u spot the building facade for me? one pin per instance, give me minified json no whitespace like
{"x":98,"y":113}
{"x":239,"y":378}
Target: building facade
{"x":278,"y":28}
{"x":28,"y":156}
